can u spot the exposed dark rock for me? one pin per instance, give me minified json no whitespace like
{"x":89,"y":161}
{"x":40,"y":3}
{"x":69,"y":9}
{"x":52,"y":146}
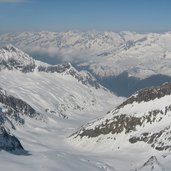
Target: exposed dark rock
{"x":151,"y":164}
{"x":9,"y":142}
{"x":14,"y":64}
{"x":28,"y":68}
{"x":55,"y":68}
{"x":15,"y":106}
{"x":128,"y":124}
{"x":121,"y":123}
{"x":156,"y":140}
{"x":148,"y":94}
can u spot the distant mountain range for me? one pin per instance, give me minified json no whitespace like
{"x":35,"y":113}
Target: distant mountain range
{"x":125,"y":59}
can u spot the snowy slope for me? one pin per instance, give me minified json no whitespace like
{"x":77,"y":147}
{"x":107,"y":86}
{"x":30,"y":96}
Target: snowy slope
{"x":34,"y":103}
{"x":143,"y":117}
{"x":58,"y":89}
{"x":13,"y":112}
{"x":104,"y":53}
{"x":139,"y":125}
{"x":43,"y":140}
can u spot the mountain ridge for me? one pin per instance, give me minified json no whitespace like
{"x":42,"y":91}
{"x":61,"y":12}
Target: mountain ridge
{"x":133,"y":121}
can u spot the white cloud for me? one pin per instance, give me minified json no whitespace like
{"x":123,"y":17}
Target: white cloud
{"x":13,"y":1}
{"x":64,"y":55}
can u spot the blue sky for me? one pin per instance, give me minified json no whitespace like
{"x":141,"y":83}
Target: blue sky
{"x":63,"y":15}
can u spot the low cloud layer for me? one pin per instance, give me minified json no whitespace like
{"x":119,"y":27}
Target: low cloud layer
{"x":61,"y":55}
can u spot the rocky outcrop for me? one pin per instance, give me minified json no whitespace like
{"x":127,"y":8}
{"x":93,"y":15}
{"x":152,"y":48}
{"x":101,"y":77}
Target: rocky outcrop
{"x":152,"y":164}
{"x":158,"y":140}
{"x":9,"y":142}
{"x":148,"y":94}
{"x":15,"y":105}
{"x":122,"y":123}
{"x":136,"y":119}
{"x":12,"y":111}
{"x":55,"y":68}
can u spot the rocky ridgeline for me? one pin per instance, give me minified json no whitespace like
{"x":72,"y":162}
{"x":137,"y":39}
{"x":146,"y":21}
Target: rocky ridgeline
{"x":55,"y":68}
{"x":12,"y":58}
{"x":13,"y":64}
{"x":84,"y":77}
{"x":148,"y":94}
{"x":117,"y":123}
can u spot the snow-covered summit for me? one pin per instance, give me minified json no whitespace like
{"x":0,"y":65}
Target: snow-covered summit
{"x":12,"y":57}
{"x":10,"y":52}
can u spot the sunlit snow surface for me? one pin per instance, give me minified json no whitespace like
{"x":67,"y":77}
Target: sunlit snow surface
{"x":45,"y":140}
{"x":56,"y":95}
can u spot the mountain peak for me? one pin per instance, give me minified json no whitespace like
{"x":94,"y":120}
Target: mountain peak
{"x":14,"y":58}
{"x":11,"y":52}
{"x":10,"y":47}
{"x":151,"y":164}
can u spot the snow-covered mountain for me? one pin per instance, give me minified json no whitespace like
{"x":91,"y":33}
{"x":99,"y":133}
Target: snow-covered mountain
{"x":35,"y":100}
{"x":13,"y":112}
{"x":55,"y":89}
{"x":126,"y":59}
{"x":39,"y":141}
{"x":141,"y":124}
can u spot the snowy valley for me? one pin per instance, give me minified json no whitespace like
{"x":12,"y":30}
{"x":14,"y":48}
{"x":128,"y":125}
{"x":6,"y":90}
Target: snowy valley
{"x":40,"y":106}
{"x":46,"y":112}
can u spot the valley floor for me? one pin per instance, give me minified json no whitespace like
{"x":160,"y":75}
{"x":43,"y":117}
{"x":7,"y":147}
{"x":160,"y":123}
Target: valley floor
{"x":49,"y":150}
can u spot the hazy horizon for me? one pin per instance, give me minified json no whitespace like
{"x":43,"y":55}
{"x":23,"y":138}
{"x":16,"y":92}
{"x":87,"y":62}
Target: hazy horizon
{"x":64,"y":15}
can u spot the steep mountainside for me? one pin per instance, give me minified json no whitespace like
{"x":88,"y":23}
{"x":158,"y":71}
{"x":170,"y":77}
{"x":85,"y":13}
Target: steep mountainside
{"x":141,"y":124}
{"x":13,"y":112}
{"x":143,"y":117}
